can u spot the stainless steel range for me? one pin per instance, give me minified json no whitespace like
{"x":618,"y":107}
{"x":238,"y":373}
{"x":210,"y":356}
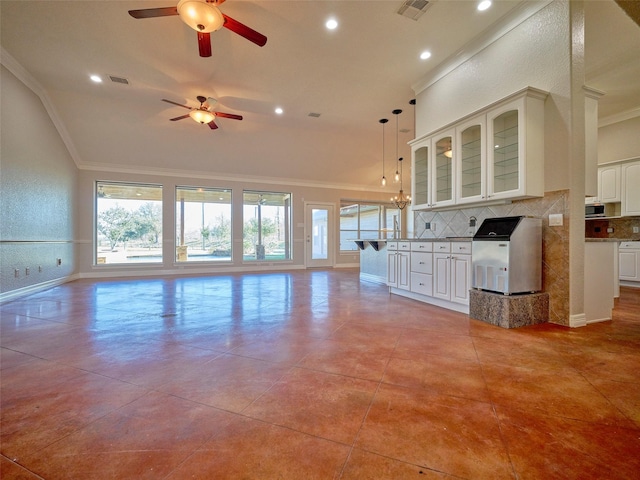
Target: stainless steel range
{"x":506,"y":255}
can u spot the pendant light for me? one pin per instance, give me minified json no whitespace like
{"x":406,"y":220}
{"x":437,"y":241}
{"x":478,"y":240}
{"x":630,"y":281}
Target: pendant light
{"x":384,"y":179}
{"x":396,"y":177}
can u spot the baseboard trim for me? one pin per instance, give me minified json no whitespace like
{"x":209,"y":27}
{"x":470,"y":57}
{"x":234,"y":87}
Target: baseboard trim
{"x":35,"y":288}
{"x":578,"y":320}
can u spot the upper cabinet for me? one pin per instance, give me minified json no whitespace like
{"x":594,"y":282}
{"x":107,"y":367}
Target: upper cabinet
{"x":471,"y":185}
{"x":609,"y":184}
{"x":494,"y":154}
{"x":442,"y":171}
{"x":630,"y":173}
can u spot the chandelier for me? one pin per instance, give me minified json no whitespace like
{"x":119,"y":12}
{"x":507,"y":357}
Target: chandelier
{"x":401,"y":200}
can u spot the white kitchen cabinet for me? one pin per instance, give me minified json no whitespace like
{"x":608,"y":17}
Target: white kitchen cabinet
{"x":515,"y":158}
{"x":398,"y":265}
{"x":442,"y":169}
{"x":609,"y":184}
{"x":452,"y":271}
{"x":496,"y":153}
{"x":630,"y":173}
{"x":420,"y":177}
{"x":629,"y":262}
{"x":422,"y":268}
{"x":471,"y":162}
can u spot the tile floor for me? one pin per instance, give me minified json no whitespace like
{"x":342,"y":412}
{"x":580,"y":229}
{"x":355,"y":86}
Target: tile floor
{"x":307,"y":375}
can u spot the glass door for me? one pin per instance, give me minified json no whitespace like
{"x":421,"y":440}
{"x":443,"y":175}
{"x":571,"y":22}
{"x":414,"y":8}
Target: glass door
{"x":319,"y":235}
{"x":443,"y":170}
{"x":471,"y":183}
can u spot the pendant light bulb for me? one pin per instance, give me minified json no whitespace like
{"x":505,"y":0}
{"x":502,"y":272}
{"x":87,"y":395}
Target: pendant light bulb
{"x":384,"y":179}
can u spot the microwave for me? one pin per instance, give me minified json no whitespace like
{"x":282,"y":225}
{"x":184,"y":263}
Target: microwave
{"x":594,"y":210}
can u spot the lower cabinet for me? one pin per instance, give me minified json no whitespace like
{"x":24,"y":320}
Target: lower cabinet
{"x":421,"y":268}
{"x":452,"y":271}
{"x":433,"y":272}
{"x":398,"y":265}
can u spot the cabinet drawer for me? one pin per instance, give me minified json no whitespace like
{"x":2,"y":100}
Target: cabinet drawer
{"x":422,"y":283}
{"x":422,"y":262}
{"x":442,"y":247}
{"x":422,"y":246}
{"x":461,"y":247}
{"x":392,"y":245}
{"x":406,"y":246}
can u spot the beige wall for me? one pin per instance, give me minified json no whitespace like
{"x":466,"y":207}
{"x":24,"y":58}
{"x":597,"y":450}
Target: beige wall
{"x":619,"y":141}
{"x":37,"y":191}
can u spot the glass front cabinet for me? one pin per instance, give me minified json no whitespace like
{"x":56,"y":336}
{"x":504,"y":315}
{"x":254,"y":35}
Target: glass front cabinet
{"x":471,"y":160}
{"x":494,"y":154}
{"x":442,"y":171}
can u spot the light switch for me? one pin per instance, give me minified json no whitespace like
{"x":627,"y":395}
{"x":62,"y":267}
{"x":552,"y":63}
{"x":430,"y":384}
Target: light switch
{"x":555,"y":220}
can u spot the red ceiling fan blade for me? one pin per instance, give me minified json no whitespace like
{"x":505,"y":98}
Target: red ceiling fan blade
{"x":154,"y":12}
{"x":174,"y":103}
{"x":244,"y":31}
{"x":179,"y":118}
{"x":212,"y":125}
{"x":204,"y":44}
{"x":228,"y":115}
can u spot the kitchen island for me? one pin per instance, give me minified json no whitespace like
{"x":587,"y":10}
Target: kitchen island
{"x":435,"y":271}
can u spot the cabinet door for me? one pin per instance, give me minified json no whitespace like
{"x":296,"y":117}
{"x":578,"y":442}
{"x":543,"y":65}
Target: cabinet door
{"x":404,"y":271}
{"x":420,"y":176}
{"x":442,"y":170}
{"x":629,"y":265}
{"x":609,"y":184}
{"x":631,"y":189}
{"x":442,"y":275}
{"x":392,"y":269}
{"x":504,"y":127}
{"x":470,"y":161}
{"x":460,"y":278}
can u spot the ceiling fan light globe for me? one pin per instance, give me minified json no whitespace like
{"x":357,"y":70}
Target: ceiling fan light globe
{"x":202,"y":116}
{"x":200,"y":15}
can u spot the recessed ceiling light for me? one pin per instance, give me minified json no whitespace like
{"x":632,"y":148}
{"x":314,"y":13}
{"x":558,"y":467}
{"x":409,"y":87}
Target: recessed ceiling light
{"x":96,"y":78}
{"x":331,"y":24}
{"x":279,"y":111}
{"x":424,"y":55}
{"x":483,"y":5}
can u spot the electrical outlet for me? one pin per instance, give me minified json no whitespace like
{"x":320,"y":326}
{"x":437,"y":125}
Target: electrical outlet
{"x":427,"y":225}
{"x":40,"y":268}
{"x":555,"y":220}
{"x":610,"y":230}
{"x":59,"y":261}
{"x":636,"y":229}
{"x":433,"y":227}
{"x":16,"y":273}
{"x":27,"y":271}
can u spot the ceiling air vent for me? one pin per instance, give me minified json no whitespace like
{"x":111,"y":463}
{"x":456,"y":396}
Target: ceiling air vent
{"x":414,"y":9}
{"x":121,"y":80}
{"x":314,"y":115}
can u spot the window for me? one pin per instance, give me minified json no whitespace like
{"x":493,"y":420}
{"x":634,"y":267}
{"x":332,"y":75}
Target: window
{"x":128,"y":223}
{"x":365,"y":220}
{"x":203,"y":224}
{"x":267,"y":226}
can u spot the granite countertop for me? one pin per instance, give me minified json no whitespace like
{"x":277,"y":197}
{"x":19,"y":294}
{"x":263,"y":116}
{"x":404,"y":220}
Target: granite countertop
{"x":589,"y":239}
{"x":443,"y":239}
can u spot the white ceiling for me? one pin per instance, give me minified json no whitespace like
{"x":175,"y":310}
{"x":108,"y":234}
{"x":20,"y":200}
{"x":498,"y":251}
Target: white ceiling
{"x":352,"y":76}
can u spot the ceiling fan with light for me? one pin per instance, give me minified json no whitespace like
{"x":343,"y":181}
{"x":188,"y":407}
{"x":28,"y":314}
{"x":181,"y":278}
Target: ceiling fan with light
{"x":204,"y":17}
{"x":204,"y":113}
